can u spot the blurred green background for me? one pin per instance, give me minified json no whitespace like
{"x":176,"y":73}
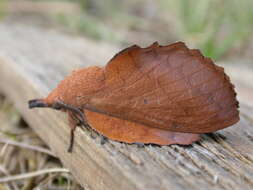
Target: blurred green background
{"x":220,"y":28}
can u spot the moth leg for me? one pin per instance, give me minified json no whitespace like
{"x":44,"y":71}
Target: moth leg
{"x":93,"y":134}
{"x":79,"y":120}
{"x":71,"y":143}
{"x":103,"y":139}
{"x":140,"y":145}
{"x":75,"y":112}
{"x":73,"y":124}
{"x":82,"y":122}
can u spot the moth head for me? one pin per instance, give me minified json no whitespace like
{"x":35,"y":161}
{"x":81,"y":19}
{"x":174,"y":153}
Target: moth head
{"x":73,"y":91}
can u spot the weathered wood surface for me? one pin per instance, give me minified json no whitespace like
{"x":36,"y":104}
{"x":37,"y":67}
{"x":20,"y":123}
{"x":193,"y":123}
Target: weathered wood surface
{"x":33,"y":61}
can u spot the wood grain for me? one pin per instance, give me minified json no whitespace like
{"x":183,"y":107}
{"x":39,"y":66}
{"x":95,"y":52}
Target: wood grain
{"x":33,"y":61}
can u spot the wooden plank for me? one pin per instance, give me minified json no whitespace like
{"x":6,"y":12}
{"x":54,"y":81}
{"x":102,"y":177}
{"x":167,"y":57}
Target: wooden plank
{"x":32,"y":61}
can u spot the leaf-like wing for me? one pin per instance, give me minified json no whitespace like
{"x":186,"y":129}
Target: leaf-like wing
{"x":168,"y":87}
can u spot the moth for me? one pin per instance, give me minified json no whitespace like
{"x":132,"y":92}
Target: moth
{"x":159,"y":94}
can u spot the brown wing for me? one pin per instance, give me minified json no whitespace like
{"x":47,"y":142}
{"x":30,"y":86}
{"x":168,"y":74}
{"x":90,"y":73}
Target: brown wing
{"x":168,"y":87}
